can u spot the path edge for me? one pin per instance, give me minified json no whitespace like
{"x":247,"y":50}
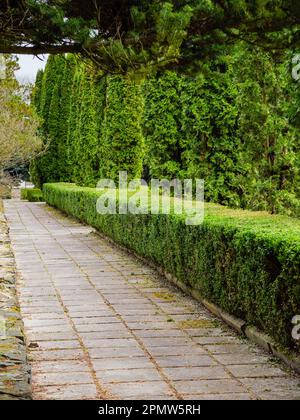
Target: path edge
{"x":19,"y":387}
{"x":290,"y":359}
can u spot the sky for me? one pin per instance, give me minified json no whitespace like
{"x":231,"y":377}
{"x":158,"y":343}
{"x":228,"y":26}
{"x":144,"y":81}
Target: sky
{"x":29,"y":66}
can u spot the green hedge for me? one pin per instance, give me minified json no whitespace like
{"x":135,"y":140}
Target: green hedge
{"x":248,"y":263}
{"x":33,"y":195}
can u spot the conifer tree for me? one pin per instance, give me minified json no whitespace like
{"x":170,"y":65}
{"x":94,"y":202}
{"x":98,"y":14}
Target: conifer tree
{"x":122,"y":136}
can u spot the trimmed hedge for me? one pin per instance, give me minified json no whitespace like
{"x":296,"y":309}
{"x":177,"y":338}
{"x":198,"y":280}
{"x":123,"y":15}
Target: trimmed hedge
{"x":33,"y":195}
{"x":248,"y":263}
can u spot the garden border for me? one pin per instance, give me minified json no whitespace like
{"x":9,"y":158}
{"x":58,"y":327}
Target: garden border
{"x":143,"y":239}
{"x":292,"y":360}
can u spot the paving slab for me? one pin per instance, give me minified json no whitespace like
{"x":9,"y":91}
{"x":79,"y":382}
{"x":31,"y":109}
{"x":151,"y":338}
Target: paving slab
{"x":100,"y":324}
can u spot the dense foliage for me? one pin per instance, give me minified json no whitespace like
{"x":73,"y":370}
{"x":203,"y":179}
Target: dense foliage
{"x":248,"y":263}
{"x":93,"y":124}
{"x":33,"y":195}
{"x":125,"y":35}
{"x":231,"y":125}
{"x":190,"y":127}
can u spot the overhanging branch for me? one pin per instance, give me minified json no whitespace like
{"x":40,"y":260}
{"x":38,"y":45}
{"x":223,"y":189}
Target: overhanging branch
{"x":39,"y":50}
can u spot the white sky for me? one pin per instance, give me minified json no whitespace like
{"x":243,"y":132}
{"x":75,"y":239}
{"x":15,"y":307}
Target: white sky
{"x":29,"y":66}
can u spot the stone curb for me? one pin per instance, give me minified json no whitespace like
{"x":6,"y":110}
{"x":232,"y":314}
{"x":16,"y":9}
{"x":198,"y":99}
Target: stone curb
{"x":292,"y":360}
{"x":15,"y":370}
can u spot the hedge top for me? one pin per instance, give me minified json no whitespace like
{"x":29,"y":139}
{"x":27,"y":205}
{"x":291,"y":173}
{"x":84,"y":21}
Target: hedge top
{"x":263,"y":225}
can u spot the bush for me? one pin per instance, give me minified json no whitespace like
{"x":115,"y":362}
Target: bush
{"x":33,"y":195}
{"x":248,"y":263}
{"x":5,"y":192}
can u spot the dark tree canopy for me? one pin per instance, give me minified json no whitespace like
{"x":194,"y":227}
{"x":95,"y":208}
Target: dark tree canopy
{"x":120,"y":35}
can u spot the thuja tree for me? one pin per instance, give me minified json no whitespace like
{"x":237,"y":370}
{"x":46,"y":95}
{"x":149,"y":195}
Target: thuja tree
{"x":190,"y":131}
{"x":53,"y":101}
{"x":73,"y":117}
{"x":46,"y":90}
{"x":49,"y":99}
{"x":122,"y":137}
{"x":270,"y":143}
{"x":64,"y":106}
{"x":86,"y":140}
{"x":36,"y":93}
{"x":230,"y":125}
{"x":91,"y":123}
{"x":162,"y":126}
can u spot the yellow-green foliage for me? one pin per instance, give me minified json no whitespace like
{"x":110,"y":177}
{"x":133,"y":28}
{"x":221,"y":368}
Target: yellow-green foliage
{"x":32,"y":194}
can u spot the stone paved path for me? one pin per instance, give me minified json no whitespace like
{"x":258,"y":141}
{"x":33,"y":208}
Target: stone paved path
{"x":101,"y":325}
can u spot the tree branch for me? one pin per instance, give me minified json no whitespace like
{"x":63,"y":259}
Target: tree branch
{"x":42,"y":49}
